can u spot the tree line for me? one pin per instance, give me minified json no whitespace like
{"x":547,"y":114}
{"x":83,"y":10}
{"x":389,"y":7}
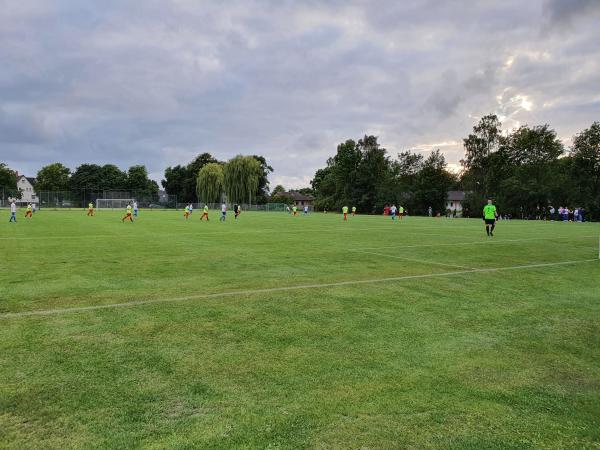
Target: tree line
{"x":529,"y":169}
{"x":242,"y":178}
{"x":57,"y":177}
{"x":524,"y":170}
{"x":362,"y":174}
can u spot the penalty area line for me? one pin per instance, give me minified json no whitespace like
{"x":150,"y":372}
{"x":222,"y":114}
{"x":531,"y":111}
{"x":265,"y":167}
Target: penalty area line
{"x":78,"y":309}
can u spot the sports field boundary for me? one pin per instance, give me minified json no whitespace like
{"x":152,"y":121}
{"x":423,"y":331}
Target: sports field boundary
{"x":249,"y":292}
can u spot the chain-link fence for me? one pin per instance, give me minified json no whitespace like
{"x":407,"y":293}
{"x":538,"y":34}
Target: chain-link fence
{"x":268,"y":207}
{"x":80,"y":199}
{"x":120,"y":199}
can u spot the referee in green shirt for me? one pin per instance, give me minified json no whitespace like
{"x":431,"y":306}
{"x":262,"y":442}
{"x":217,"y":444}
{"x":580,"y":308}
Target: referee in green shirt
{"x":489,"y":217}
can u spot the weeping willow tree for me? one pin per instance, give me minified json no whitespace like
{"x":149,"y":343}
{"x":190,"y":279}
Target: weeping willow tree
{"x":241,"y":178}
{"x":209,"y":183}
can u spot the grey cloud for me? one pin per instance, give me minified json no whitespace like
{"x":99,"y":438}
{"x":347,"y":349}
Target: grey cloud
{"x":158,"y":82}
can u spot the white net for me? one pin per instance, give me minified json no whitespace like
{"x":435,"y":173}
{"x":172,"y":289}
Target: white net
{"x":114,"y":203}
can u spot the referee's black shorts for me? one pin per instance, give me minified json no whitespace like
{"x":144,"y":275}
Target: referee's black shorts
{"x":489,"y":221}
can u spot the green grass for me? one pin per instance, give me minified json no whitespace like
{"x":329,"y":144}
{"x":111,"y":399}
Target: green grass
{"x":452,"y":358}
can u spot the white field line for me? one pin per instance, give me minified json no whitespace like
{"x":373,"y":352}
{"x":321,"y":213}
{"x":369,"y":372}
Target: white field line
{"x":490,"y":241}
{"x":420,"y":261}
{"x":77,"y":309}
{"x":211,"y":233}
{"x":279,"y":231}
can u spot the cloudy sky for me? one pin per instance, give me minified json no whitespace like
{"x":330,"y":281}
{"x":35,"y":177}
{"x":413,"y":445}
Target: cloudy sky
{"x":156,"y":82}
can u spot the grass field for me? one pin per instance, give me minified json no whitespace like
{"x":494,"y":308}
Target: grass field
{"x":275,"y":331}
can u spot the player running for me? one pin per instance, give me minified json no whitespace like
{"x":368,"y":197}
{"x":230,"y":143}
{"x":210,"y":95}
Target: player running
{"x":13,"y":212}
{"x":345,"y":211}
{"x":400,"y":212}
{"x":205,"y":213}
{"x":128,"y":214}
{"x":191,"y":208}
{"x":90,"y":209}
{"x":353,"y":211}
{"x":29,"y":211}
{"x":393,"y":212}
{"x":135,"y":209}
{"x":223,"y":212}
{"x":186,"y":213}
{"x":489,"y":217}
{"x":295,"y":210}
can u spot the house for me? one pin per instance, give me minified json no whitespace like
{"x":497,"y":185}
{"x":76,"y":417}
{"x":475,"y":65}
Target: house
{"x":25,"y":185}
{"x":455,"y":202}
{"x":300,"y":200}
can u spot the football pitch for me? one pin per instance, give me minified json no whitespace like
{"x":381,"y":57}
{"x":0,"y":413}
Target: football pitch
{"x":273,"y":331}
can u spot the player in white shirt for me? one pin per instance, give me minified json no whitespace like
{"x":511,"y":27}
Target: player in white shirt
{"x":13,"y":212}
{"x":393,"y":212}
{"x":135,"y":209}
{"x":223,"y":212}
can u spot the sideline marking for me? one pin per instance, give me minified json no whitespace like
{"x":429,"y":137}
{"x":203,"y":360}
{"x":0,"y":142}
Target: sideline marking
{"x":477,"y":243}
{"x":59,"y":311}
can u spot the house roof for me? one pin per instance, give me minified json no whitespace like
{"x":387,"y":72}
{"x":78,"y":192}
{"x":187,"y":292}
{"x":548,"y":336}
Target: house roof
{"x":456,"y":196}
{"x":30,"y":179}
{"x":296,"y":196}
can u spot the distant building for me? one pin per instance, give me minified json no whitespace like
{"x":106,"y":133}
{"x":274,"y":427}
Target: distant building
{"x":25,"y":185}
{"x":455,"y":202}
{"x":163,"y":197}
{"x":298,"y":198}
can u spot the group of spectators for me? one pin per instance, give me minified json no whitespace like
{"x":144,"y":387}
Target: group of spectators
{"x":566,"y":214}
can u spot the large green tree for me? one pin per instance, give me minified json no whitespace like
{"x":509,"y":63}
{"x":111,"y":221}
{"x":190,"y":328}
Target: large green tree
{"x":485,"y":139}
{"x":210,"y":183}
{"x":53,"y":177}
{"x":241,"y":179}
{"x":531,"y":153}
{"x":181,"y":180}
{"x":8,"y":182}
{"x":585,"y":168}
{"x":87,"y":177}
{"x":262,"y":190}
{"x":432,"y":183}
{"x":138,"y":182}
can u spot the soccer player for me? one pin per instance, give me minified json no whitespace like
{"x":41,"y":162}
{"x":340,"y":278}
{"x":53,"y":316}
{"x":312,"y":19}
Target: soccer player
{"x":393,"y":212}
{"x":186,"y":214}
{"x":135,"y":209}
{"x":13,"y":211}
{"x":489,"y":217}
{"x":400,"y":212}
{"x":191,"y":208}
{"x":345,"y":211}
{"x":90,"y":209}
{"x":28,"y":211}
{"x":223,"y":212}
{"x":353,"y":211}
{"x":127,"y":214}
{"x":295,"y":210}
{"x":305,"y":210}
{"x":205,"y":213}
{"x":236,"y":211}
